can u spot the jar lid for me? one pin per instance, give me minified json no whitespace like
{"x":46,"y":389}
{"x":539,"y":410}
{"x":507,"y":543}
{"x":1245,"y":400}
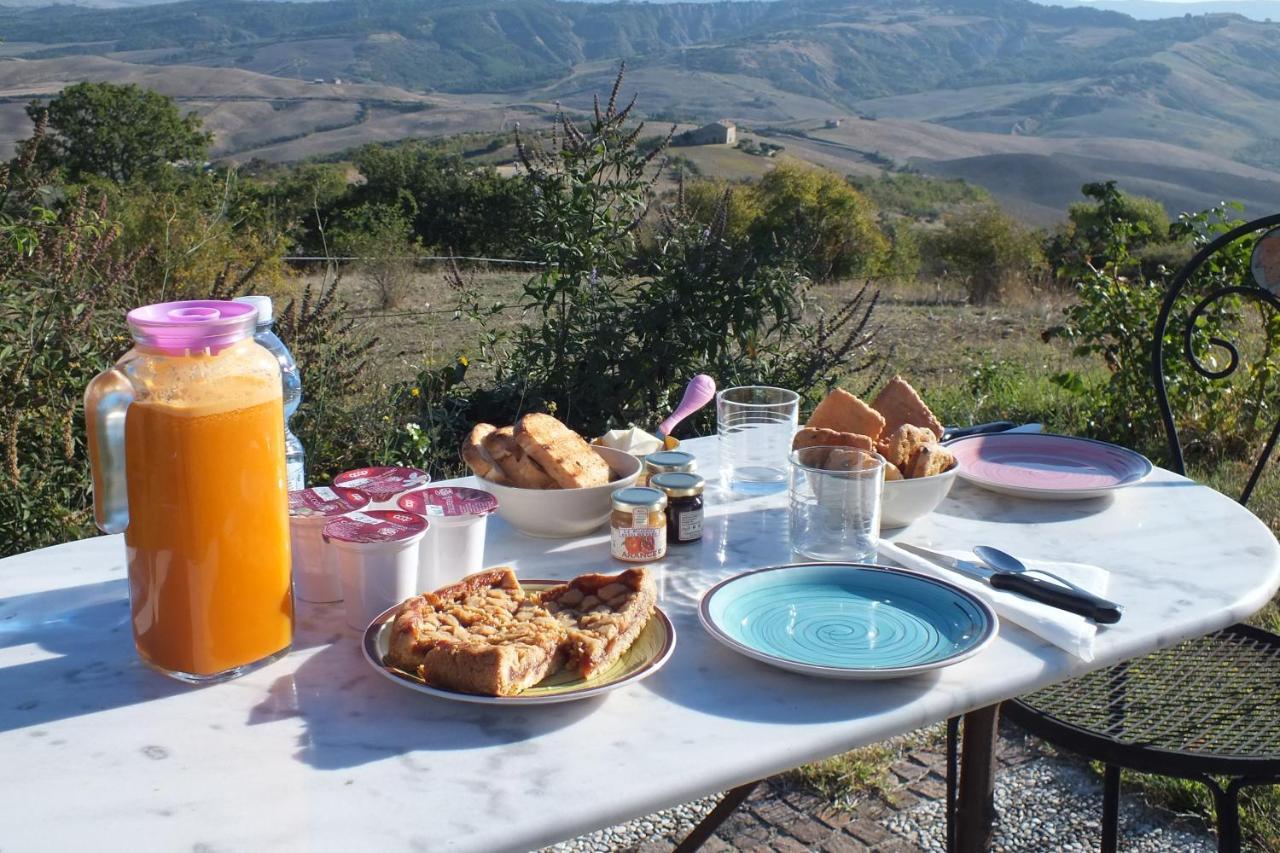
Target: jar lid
{"x":194,"y":324}
{"x":639,"y":497}
{"x":376,"y":525}
{"x":448,"y":502}
{"x":323,"y":501}
{"x":385,"y":483}
{"x":678,"y":484}
{"x":670,"y":460}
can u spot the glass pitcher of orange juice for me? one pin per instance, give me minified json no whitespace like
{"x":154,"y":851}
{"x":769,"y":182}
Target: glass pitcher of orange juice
{"x":188,"y":461}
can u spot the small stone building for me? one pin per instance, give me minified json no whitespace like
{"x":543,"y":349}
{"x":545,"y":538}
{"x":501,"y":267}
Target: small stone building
{"x":722,"y":132}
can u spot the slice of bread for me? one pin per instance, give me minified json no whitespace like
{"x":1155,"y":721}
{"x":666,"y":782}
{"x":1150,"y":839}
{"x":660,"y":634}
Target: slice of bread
{"x":843,"y":412}
{"x":521,"y":471}
{"x":899,"y":403}
{"x":477,"y":458}
{"x":819,"y":437}
{"x":561,"y":452}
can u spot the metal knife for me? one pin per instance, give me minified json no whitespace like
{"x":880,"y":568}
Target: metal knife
{"x":1046,"y":592}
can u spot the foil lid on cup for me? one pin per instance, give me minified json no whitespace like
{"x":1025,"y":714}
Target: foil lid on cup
{"x":323,"y":501}
{"x":375,"y":525}
{"x":449,"y":502}
{"x":385,"y":483}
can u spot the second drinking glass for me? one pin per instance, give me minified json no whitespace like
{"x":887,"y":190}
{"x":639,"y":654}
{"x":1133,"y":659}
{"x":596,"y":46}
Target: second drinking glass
{"x":835,"y":514}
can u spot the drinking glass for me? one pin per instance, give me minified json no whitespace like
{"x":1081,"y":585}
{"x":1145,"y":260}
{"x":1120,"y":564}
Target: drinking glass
{"x":835,"y":514}
{"x":756,"y":424}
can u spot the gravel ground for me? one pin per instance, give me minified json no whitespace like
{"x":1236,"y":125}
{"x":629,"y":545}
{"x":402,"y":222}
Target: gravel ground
{"x":1052,"y":805}
{"x":1046,"y":804}
{"x":670,"y":823}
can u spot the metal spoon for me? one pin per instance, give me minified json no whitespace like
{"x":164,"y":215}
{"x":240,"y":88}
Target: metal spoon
{"x":1005,"y":562}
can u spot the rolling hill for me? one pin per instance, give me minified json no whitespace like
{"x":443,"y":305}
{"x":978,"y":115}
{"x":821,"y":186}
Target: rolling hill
{"x":971,"y":83}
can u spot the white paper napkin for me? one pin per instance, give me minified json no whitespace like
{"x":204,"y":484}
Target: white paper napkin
{"x":1065,"y":630}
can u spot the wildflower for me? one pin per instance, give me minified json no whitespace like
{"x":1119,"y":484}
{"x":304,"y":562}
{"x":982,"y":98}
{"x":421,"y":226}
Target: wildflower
{"x":463,"y":360}
{"x":415,"y":392}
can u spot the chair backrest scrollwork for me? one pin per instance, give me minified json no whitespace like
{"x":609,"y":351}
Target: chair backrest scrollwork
{"x":1261,"y":284}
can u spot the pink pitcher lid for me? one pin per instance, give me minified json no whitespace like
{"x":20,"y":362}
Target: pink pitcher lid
{"x":375,"y":525}
{"x":449,"y":501}
{"x":323,"y":501}
{"x":193,"y":324}
{"x":383,"y":484}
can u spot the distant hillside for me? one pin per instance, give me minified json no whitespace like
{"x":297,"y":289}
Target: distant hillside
{"x":979,"y":73}
{"x":1149,"y":10}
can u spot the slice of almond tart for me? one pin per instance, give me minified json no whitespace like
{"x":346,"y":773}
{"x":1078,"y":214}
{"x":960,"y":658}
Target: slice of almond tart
{"x":602,"y":616}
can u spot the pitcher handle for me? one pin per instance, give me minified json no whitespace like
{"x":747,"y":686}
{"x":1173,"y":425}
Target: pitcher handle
{"x":106,"y":401}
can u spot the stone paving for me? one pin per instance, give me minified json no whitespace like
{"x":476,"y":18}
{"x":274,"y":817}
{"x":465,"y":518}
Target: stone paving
{"x":1045,"y":803}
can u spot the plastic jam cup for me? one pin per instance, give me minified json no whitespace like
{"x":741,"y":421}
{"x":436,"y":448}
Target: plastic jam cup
{"x":454,"y":547}
{"x":377,"y":555}
{"x":315,"y":570}
{"x":383,"y":485}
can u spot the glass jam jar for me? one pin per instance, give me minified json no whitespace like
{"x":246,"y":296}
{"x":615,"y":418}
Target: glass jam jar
{"x":638,"y":524}
{"x":684,"y":505}
{"x":668,"y":461}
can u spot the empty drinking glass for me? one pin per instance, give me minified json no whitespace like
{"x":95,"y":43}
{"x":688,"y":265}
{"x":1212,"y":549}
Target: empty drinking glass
{"x":756,"y":424}
{"x":835,"y":503}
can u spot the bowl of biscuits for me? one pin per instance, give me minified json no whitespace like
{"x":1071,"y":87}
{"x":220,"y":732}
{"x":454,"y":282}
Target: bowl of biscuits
{"x":919,"y":471}
{"x":548,"y":480}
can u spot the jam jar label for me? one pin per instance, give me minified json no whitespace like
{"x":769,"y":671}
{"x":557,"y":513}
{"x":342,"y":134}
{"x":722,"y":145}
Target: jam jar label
{"x":690,"y":527}
{"x":638,"y":544}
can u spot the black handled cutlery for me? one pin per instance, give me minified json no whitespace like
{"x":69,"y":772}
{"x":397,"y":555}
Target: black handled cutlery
{"x":1076,"y":601}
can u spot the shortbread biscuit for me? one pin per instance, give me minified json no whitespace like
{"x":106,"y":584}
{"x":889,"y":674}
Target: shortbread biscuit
{"x":899,"y":403}
{"x":891,"y":472}
{"x":521,"y":470}
{"x":899,"y":446}
{"x":931,"y":459}
{"x":843,"y":412}
{"x":477,"y":458}
{"x":561,"y":452}
{"x":846,"y":459}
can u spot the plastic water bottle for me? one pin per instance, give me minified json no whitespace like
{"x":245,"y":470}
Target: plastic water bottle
{"x":295,"y":457}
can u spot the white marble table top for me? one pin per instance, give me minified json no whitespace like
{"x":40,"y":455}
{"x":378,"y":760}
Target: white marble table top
{"x":318,"y":752}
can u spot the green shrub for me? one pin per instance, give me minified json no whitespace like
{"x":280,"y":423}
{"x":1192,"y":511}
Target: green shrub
{"x":1114,"y":318}
{"x":381,"y":236}
{"x":992,"y":252}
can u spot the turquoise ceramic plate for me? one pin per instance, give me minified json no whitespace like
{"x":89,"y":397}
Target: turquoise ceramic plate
{"x":847,"y":620}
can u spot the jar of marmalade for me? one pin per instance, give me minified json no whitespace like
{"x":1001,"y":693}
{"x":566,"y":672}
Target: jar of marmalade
{"x":667,"y":461}
{"x":638,"y":524}
{"x":684,"y":505}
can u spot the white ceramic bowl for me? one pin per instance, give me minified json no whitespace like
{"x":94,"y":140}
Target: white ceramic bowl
{"x":906,"y":500}
{"x":562,"y":513}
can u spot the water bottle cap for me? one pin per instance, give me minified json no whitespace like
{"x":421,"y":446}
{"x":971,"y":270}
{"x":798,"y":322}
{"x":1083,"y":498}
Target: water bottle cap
{"x":263,"y":304}
{"x":195,"y":324}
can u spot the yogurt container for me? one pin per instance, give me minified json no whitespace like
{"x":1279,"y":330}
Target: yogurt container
{"x":383,"y":485}
{"x":454,"y":547}
{"x":315,"y":570}
{"x":377,"y":556}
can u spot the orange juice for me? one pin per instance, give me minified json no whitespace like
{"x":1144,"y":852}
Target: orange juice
{"x":208,"y":534}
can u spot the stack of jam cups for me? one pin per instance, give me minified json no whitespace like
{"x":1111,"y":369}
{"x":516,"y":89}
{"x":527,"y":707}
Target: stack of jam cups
{"x":378,"y":555}
{"x":383,"y":485}
{"x":315,"y":570}
{"x":454,"y":547}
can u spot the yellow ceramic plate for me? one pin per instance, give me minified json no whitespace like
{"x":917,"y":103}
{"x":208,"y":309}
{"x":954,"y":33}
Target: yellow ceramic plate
{"x":646,"y":656}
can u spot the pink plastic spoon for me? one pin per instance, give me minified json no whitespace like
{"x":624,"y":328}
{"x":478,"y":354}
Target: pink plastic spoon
{"x":700,"y":391}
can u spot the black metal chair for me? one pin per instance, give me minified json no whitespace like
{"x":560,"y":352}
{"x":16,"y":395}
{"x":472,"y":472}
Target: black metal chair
{"x":1208,"y":706}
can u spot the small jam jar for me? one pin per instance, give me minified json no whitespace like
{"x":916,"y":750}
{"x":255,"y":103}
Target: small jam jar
{"x":684,"y":505}
{"x":668,"y":461}
{"x":638,"y":524}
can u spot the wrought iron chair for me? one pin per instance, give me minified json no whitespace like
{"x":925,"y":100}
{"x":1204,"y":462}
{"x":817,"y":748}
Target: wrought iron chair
{"x":1209,"y":706}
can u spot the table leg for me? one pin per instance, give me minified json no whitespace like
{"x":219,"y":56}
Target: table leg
{"x":731,"y":800}
{"x":975,"y":809}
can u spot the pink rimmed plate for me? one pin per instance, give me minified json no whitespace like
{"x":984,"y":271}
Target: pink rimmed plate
{"x":1047,"y":467}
